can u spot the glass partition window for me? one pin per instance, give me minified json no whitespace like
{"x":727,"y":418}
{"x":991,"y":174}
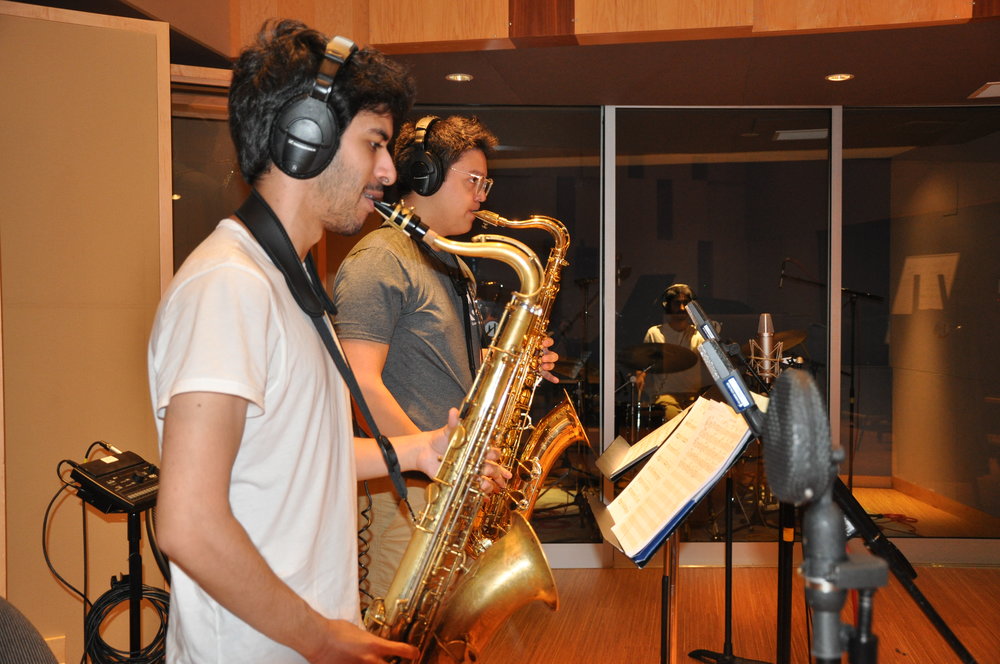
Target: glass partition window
{"x":734,"y":205}
{"x":921,"y":240}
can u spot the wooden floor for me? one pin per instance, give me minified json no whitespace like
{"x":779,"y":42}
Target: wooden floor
{"x":614,"y":615}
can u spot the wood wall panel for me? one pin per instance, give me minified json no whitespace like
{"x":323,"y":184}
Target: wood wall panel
{"x":531,"y":18}
{"x":412,"y":26}
{"x":798,"y":15}
{"x":349,"y":19}
{"x":600,"y":16}
{"x":409,"y":21}
{"x":986,"y":8}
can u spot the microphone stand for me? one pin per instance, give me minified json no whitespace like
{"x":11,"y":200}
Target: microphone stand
{"x":900,"y":567}
{"x":852,"y":296}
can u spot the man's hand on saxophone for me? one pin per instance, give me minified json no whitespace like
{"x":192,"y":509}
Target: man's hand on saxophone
{"x":548,"y":361}
{"x":495,"y":476}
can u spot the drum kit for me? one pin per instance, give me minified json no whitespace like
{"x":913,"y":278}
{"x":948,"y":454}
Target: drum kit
{"x":637,"y":418}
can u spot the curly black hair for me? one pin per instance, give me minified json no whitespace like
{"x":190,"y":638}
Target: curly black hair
{"x":281,"y":64}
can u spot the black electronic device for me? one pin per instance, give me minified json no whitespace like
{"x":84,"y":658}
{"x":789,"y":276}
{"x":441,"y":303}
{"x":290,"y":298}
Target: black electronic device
{"x":123,"y":482}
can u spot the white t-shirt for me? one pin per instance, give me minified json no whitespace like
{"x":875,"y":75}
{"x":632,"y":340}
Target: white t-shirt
{"x":228,"y":324}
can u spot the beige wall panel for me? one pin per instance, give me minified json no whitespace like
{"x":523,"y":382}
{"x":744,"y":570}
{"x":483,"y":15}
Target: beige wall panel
{"x":85,"y":189}
{"x":406,"y":21}
{"x":778,"y":15}
{"x":600,"y":16}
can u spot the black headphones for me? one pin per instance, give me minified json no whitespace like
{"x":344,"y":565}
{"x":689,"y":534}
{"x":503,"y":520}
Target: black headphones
{"x":671,"y":293}
{"x":423,"y":171}
{"x":306,"y":133}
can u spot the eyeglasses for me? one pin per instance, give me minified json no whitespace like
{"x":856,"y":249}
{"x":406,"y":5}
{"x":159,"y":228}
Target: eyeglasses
{"x":482,"y":185}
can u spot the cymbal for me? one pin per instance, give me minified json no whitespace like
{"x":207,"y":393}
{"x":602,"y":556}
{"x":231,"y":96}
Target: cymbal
{"x":572,"y":371}
{"x":659,"y":358}
{"x":788,"y":339}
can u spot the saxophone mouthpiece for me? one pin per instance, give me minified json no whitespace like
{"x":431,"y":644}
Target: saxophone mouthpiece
{"x":402,"y":218}
{"x":489,"y":217}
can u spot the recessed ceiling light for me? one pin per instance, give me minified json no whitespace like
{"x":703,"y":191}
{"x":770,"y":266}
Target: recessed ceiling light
{"x":459,"y":78}
{"x":836,"y":78}
{"x":801,"y":134}
{"x":991,"y":89}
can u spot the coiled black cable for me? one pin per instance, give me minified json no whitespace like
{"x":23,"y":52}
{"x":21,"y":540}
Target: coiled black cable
{"x":100,"y":651}
{"x":364,"y":543}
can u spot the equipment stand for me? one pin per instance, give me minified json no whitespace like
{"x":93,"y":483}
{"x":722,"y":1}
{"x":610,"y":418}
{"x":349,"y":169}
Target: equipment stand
{"x":786,"y":547}
{"x":668,"y":589}
{"x":134,"y":584}
{"x":726,"y":656}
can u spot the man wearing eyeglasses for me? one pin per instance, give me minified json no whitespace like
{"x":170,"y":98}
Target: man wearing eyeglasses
{"x":407,"y":316}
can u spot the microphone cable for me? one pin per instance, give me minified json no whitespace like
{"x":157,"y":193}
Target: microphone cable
{"x":103,"y":653}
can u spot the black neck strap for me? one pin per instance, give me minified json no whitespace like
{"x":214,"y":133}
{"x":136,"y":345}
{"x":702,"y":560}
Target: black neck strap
{"x":461,"y":282}
{"x":304,"y":284}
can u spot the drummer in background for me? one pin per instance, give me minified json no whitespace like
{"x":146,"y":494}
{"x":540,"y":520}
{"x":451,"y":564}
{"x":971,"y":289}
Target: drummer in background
{"x":675,"y":391}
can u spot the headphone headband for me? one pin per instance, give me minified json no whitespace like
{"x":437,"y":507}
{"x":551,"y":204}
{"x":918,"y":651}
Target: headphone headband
{"x":338,"y":51}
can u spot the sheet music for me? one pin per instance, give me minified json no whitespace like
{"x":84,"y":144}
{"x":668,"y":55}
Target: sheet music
{"x":686,"y":466}
{"x":652,"y":440}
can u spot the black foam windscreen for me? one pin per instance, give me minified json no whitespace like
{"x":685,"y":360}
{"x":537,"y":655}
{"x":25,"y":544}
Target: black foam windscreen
{"x":798,"y":458}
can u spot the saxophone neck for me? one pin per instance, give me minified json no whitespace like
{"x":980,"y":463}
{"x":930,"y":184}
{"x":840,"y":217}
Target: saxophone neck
{"x":515,"y":254}
{"x":555,"y":227}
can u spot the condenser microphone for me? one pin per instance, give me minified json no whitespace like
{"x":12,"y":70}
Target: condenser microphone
{"x":801,"y":466}
{"x":765,"y":352}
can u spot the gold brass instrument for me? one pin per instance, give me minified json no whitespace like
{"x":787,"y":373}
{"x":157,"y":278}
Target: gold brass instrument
{"x":491,"y":586}
{"x":528,"y":451}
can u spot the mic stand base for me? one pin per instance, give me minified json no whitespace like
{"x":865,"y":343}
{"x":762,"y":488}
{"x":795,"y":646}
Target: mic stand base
{"x":720,"y":658}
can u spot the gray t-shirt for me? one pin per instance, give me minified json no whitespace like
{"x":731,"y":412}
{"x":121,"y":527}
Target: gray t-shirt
{"x":390,"y":290}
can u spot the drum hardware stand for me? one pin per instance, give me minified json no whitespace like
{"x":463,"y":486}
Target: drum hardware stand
{"x":583,"y":314}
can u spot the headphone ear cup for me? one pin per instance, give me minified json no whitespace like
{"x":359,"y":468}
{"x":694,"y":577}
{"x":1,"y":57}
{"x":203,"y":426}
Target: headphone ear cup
{"x":424,"y":174}
{"x":304,"y":137}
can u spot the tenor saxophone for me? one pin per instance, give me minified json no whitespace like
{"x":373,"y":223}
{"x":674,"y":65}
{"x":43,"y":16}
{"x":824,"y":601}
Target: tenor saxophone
{"x":526,"y":450}
{"x":515,"y":571}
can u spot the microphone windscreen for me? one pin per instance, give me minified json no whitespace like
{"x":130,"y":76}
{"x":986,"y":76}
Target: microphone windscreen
{"x":796,"y":440}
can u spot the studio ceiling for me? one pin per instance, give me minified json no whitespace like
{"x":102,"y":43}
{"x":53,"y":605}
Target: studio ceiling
{"x":911,"y":66}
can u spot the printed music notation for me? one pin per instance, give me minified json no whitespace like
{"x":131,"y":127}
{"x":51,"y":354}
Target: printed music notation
{"x":695,"y":454}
